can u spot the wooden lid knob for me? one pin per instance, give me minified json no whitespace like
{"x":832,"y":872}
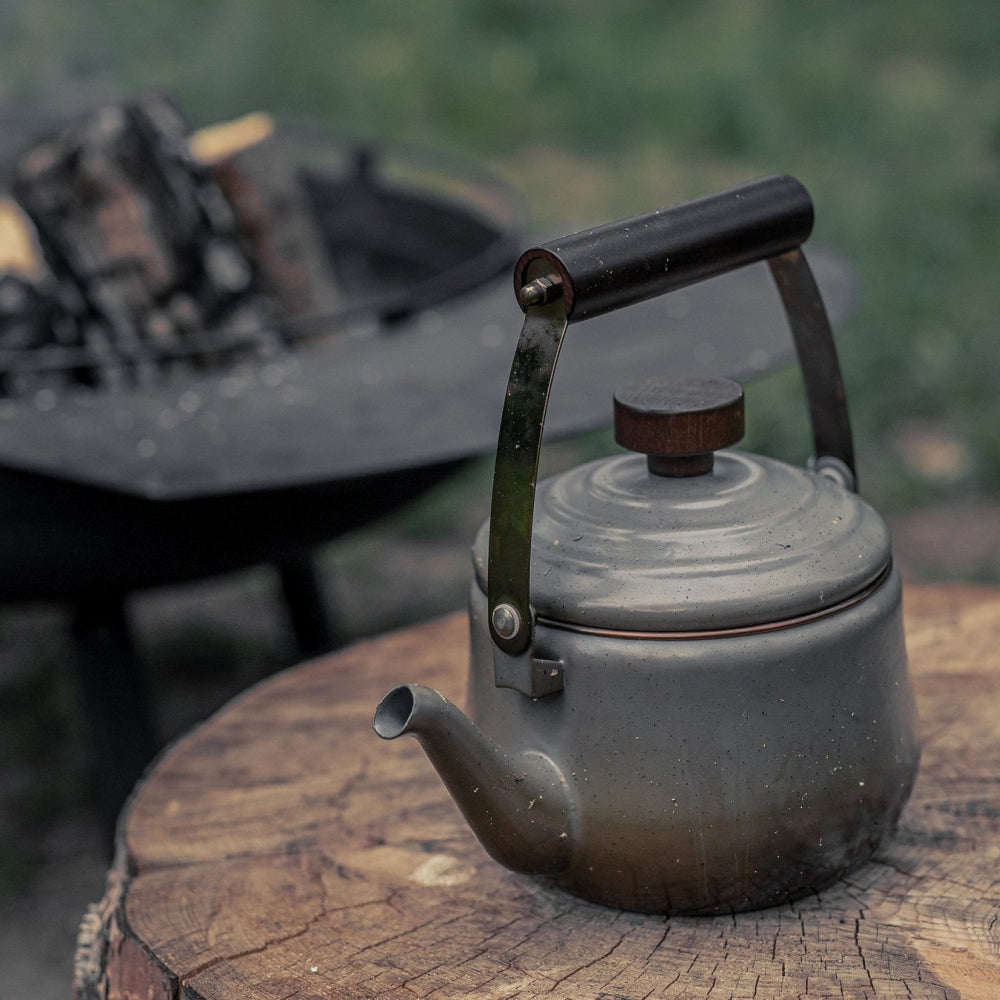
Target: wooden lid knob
{"x":679,"y":422}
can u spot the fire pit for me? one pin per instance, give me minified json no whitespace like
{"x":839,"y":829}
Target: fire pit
{"x":150,"y":461}
{"x":235,"y":417}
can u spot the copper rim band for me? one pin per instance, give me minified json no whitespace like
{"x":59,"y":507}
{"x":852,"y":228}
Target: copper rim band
{"x":727,"y":633}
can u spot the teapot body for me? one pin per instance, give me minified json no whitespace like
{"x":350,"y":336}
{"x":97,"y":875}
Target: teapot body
{"x":718,"y":773}
{"x":688,"y":686}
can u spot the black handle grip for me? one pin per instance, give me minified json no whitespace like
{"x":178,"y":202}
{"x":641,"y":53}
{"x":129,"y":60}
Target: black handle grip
{"x":615,"y":265}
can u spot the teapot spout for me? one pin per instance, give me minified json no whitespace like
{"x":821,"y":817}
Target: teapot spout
{"x":518,"y":804}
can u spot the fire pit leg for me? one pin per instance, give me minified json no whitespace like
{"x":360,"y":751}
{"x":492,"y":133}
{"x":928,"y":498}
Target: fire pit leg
{"x":114,"y":699}
{"x":308,"y":612}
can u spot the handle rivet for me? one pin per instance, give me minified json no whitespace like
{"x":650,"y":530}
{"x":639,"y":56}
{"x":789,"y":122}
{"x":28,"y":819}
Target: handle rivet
{"x":539,"y":292}
{"x":506,"y":621}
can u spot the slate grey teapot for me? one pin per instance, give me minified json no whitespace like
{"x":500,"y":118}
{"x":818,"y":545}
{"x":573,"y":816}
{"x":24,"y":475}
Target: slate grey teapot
{"x":688,"y":687}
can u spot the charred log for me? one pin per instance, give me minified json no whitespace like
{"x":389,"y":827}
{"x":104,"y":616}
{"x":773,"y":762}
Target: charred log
{"x":132,"y":250}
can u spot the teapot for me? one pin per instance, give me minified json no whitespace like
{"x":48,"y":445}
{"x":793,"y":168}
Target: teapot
{"x":688,"y":688}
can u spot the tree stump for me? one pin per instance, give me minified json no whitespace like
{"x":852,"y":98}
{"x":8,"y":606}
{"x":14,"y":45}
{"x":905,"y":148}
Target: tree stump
{"x":281,"y":851}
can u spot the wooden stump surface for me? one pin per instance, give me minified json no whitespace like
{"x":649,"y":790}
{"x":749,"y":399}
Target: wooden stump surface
{"x":282,"y":850}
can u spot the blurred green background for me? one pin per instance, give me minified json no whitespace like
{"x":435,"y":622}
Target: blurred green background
{"x":889,"y":113}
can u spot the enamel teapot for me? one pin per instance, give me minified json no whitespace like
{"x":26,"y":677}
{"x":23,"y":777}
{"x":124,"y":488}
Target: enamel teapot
{"x":688,"y":686}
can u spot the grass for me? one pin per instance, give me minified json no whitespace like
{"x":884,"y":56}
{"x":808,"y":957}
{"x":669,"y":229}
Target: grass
{"x":890,"y":114}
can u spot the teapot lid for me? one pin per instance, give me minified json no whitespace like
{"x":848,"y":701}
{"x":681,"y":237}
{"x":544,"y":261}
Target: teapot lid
{"x":753,"y":541}
{"x":698,"y":540}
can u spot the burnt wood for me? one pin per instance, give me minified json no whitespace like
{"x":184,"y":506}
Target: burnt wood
{"x":263,"y":185}
{"x":279,"y":850}
{"x":143,"y":243}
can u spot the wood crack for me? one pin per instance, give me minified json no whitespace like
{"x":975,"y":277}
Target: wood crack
{"x":410,"y":931}
{"x":275,"y":942}
{"x":594,"y":961}
{"x":861,"y":953}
